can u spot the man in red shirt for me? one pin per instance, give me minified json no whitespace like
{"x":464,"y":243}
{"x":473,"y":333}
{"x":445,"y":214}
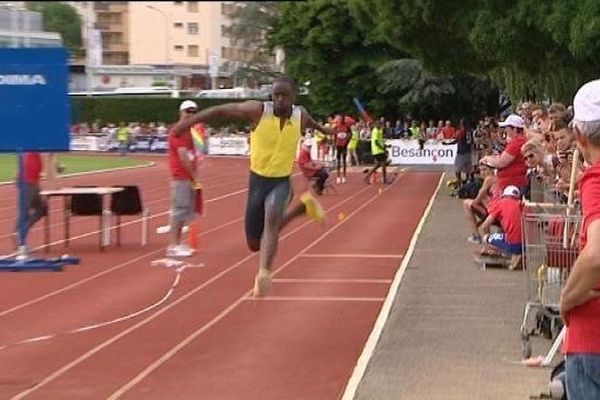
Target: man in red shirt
{"x":506,"y":211}
{"x":512,"y":169}
{"x":342,"y":138}
{"x":580,"y":298}
{"x":33,"y":165}
{"x":183,"y":158}
{"x":312,"y":169}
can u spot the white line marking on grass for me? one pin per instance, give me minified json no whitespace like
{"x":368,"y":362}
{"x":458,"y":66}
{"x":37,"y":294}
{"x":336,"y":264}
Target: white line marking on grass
{"x":363,"y":360}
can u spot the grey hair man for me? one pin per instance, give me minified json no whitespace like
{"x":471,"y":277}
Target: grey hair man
{"x":580,"y":298}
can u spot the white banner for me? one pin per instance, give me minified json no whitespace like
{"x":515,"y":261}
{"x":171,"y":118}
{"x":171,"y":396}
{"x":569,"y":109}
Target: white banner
{"x":228,"y":145}
{"x":433,"y":152}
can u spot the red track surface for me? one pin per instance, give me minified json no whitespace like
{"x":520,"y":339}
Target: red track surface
{"x":209,"y":339}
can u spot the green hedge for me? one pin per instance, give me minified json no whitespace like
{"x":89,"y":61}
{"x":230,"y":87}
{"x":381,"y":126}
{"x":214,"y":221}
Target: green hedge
{"x":139,"y":109}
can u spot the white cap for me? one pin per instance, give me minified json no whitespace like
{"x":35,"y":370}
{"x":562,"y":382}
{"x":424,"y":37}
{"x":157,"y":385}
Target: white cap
{"x":511,"y":191}
{"x":513,"y":120}
{"x":587,"y":102}
{"x":186,"y":104}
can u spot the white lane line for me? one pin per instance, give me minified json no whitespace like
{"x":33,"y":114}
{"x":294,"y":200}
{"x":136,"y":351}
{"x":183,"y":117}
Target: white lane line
{"x":350,"y":255}
{"x":332,"y":280}
{"x":59,"y":372}
{"x":363,"y":360}
{"x":174,"y":350}
{"x":315,"y":298}
{"x":106,"y":271}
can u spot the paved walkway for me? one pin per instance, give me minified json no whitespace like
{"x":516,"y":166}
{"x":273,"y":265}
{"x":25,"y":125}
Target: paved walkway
{"x":453,"y":331}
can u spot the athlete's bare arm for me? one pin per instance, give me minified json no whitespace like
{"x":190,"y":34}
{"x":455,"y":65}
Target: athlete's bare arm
{"x":249,"y":110}
{"x":309,"y":122}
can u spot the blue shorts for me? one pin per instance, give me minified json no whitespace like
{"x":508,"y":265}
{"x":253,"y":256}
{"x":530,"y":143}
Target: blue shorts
{"x":499,"y":240}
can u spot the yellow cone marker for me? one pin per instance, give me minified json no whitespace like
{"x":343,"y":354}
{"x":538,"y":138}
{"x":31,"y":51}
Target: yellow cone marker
{"x":341,"y":216}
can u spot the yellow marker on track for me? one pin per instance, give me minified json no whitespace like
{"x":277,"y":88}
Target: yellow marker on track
{"x":341,"y":216}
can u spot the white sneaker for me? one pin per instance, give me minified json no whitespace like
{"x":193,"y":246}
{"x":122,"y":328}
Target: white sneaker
{"x":338,"y":180}
{"x":178,"y":251}
{"x":167,"y":228}
{"x":343,"y":179}
{"x":186,"y":247}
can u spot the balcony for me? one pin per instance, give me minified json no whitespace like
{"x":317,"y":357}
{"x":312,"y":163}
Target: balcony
{"x":101,"y":6}
{"x":103,"y":26}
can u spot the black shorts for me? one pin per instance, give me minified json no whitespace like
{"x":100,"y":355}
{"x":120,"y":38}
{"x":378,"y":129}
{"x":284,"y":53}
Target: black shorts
{"x":276,"y":191}
{"x":381,"y":158}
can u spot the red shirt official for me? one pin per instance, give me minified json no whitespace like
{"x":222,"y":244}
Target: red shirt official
{"x":178,"y":171}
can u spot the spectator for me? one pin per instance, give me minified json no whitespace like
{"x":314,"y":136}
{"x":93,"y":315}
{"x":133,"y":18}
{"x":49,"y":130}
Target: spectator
{"x":448,"y":131}
{"x":539,"y":170}
{"x":580,"y":297}
{"x":353,"y":144}
{"x":511,"y":166}
{"x":312,"y":169}
{"x":462,"y":162}
{"x":476,"y":209}
{"x":123,"y":138}
{"x":506,"y":211}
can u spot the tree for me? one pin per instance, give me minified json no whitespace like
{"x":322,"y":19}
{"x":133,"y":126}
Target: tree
{"x":325,"y":48}
{"x":61,"y":18}
{"x":535,"y":49}
{"x":251,"y":23}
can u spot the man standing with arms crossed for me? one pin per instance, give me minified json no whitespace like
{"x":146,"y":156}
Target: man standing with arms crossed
{"x":277,"y":129}
{"x":580,"y":298}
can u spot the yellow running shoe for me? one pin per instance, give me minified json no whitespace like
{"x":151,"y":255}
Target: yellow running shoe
{"x":262,"y":282}
{"x":314,"y":210}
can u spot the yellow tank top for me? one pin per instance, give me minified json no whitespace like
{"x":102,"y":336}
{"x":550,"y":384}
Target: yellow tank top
{"x":272,"y":150}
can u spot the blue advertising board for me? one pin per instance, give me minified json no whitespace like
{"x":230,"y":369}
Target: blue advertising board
{"x":35,"y":112}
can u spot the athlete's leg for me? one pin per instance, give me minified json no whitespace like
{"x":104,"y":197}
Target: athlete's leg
{"x":255,"y":212}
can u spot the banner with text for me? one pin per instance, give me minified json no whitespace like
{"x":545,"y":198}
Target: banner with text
{"x":433,"y":152}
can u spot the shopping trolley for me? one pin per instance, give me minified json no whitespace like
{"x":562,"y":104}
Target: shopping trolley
{"x":550,"y":247}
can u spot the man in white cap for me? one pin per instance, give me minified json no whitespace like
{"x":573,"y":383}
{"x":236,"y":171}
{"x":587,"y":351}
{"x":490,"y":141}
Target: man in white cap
{"x":507,"y":212}
{"x":183,"y":159}
{"x":511,"y":166}
{"x":580,"y":298}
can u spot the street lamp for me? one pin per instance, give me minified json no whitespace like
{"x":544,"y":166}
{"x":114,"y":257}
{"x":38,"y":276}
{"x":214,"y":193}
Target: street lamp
{"x":166,"y":19}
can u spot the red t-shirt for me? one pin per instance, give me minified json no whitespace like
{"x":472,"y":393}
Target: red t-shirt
{"x":32,"y":165}
{"x":178,"y":172}
{"x":342,"y":135}
{"x":305,"y":161}
{"x":583,"y":333}
{"x":515,"y":173}
{"x":507,"y":210}
{"x":448,"y":132}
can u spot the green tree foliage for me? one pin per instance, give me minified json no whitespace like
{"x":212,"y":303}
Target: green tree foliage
{"x":251,"y":23}
{"x":325,"y":47}
{"x":424,"y":95}
{"x":61,"y":18}
{"x":533,"y":49}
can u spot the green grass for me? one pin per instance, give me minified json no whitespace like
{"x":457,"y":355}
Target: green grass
{"x":73,"y":163}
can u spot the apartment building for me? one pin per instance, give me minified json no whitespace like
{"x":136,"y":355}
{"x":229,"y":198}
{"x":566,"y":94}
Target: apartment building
{"x":22,"y":28}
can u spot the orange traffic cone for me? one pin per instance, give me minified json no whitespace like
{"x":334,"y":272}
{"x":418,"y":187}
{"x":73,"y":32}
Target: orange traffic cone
{"x":193,"y":236}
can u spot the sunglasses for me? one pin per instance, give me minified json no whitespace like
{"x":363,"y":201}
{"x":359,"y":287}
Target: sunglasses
{"x":191,"y":111}
{"x":528,"y":156}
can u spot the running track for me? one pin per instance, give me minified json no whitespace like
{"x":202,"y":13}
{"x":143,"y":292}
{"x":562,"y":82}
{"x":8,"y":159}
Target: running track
{"x":207,"y":338}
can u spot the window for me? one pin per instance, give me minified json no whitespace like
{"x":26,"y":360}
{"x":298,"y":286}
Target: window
{"x":192,"y":6}
{"x":178,"y":47}
{"x":178,"y":25}
{"x":192,"y":50}
{"x":224,"y":31}
{"x":192,"y":28}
